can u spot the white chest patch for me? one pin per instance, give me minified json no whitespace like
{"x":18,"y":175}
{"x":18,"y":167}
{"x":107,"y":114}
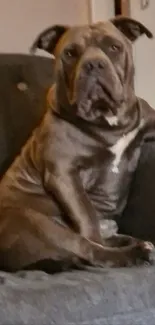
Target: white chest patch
{"x":112,"y":120}
{"x":121,"y":145}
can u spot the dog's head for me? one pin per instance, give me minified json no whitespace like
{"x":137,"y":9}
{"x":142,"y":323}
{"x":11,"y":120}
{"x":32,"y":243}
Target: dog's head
{"x":94,"y":65}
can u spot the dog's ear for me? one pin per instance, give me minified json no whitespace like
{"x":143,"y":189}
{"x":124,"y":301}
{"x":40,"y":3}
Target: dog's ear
{"x":131,"y":28}
{"x":48,"y":39}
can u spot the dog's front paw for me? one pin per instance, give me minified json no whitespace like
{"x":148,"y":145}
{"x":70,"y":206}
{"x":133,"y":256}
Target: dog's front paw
{"x":135,"y":252}
{"x":139,"y":253}
{"x":143,"y":252}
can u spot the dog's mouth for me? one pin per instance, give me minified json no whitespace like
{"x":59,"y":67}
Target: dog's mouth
{"x":101,"y":96}
{"x":95,"y":96}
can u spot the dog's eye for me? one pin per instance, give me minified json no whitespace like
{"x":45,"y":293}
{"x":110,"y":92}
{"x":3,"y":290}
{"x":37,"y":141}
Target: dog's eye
{"x":115,"y":48}
{"x":70,"y":53}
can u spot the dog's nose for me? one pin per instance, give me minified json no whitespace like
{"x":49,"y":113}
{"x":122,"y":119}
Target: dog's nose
{"x":94,"y":65}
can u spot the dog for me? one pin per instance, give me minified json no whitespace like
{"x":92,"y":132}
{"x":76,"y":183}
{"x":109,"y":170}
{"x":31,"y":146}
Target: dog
{"x":71,"y":180}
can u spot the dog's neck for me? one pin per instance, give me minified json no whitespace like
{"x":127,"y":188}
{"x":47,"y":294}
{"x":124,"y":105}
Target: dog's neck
{"x":127,"y":118}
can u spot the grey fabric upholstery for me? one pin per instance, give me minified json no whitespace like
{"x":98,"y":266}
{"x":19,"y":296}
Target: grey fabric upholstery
{"x":94,"y":297}
{"x":138,"y":218}
{"x":24,"y":81}
{"x":100,"y":297}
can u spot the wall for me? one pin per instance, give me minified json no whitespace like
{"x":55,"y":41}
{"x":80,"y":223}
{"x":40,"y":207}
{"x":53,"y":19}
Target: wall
{"x":144,"y":53}
{"x":101,"y":9}
{"x":21,"y":20}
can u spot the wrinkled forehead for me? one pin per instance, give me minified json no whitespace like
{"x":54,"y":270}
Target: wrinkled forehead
{"x":91,"y":35}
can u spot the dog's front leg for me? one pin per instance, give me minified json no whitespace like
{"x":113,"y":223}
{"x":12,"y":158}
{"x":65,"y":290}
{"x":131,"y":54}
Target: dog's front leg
{"x":65,"y":185}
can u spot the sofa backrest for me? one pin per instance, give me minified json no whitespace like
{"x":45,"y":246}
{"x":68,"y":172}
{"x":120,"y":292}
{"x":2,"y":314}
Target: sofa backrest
{"x":24,"y":81}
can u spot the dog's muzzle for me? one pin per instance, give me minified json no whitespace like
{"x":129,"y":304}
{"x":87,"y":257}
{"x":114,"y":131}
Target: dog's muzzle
{"x":97,"y":85}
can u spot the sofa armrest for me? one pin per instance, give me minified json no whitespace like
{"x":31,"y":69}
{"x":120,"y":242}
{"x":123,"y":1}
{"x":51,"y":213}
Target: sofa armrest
{"x":24,"y":83}
{"x":138,"y":218}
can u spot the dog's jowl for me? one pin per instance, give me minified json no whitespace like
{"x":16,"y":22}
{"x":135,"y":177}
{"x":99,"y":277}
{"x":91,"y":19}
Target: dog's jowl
{"x":62,"y":195}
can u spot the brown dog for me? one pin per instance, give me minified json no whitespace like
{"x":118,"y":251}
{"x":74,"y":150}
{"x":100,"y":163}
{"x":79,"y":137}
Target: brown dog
{"x":76,"y":168}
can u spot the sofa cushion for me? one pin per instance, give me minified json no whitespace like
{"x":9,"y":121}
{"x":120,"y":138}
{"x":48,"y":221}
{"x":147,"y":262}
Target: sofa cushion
{"x":24,"y":83}
{"x":99,"y":297}
{"x":138,"y":218}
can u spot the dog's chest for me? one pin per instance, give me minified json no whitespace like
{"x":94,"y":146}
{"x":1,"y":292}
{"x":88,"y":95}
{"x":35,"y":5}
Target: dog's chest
{"x":107,"y":178}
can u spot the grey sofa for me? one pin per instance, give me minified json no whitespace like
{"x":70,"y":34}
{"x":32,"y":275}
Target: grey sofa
{"x":97,"y":296}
